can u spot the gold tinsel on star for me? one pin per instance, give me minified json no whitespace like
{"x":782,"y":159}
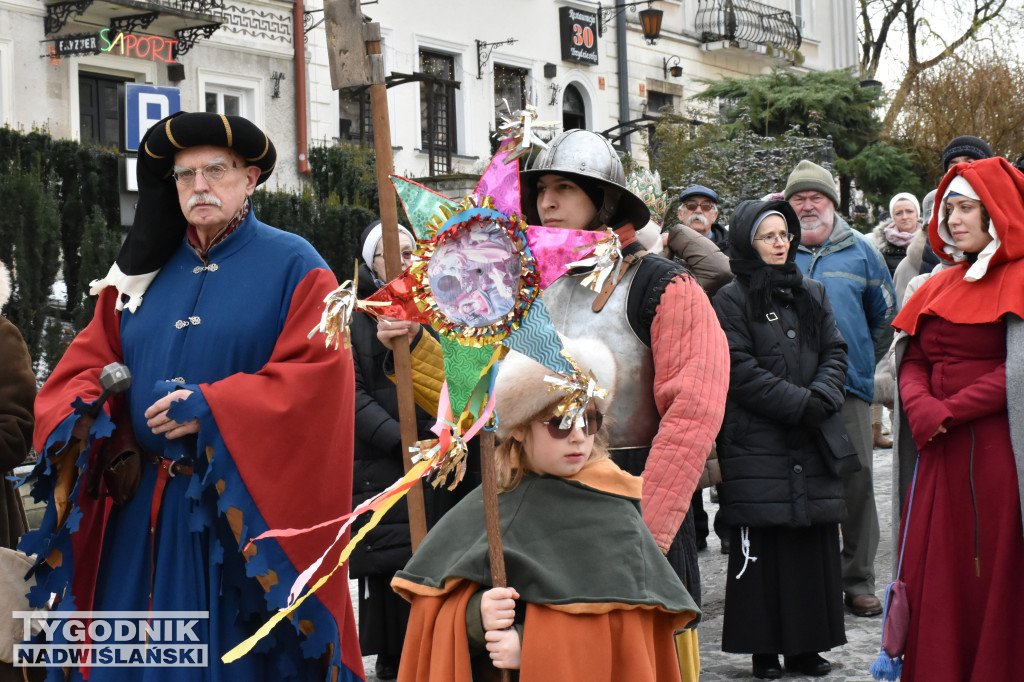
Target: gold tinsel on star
{"x":580,"y":389}
{"x":337,"y":316}
{"x":603,"y":262}
{"x":519,"y":129}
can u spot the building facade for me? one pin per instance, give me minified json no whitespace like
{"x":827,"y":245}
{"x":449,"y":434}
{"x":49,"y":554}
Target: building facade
{"x":454,"y":67}
{"x":449,"y":84}
{"x":64,"y":67}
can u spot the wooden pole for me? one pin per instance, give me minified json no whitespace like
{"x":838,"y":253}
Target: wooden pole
{"x":393,"y":268}
{"x":491,"y":519}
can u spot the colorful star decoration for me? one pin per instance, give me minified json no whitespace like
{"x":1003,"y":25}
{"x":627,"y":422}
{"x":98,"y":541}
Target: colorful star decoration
{"x":477,"y":279}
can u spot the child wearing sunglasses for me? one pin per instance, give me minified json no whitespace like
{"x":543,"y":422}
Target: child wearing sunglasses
{"x":590,"y":596}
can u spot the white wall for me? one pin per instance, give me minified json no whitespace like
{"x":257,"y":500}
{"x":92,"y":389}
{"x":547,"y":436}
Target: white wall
{"x":254,"y":42}
{"x":409,"y":25}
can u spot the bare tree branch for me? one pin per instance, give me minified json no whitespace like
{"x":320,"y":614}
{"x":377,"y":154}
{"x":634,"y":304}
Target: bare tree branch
{"x":874,"y":42}
{"x":872,"y":47}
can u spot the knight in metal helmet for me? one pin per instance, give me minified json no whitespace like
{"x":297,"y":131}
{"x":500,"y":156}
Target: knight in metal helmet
{"x":590,"y":161}
{"x":669,"y":349}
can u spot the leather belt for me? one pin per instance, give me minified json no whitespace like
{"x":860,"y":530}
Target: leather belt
{"x":173,"y":467}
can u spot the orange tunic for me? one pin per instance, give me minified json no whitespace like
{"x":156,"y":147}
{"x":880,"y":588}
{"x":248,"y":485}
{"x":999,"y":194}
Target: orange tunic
{"x":585,"y":641}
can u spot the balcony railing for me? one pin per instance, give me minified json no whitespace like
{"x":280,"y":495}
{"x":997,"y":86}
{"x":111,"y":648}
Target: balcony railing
{"x":746,"y":20}
{"x":133,"y":14}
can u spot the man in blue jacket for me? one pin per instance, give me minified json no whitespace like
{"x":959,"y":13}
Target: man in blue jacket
{"x":861,"y":293}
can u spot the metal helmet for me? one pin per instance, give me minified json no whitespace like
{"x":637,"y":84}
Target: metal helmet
{"x":586,"y":155}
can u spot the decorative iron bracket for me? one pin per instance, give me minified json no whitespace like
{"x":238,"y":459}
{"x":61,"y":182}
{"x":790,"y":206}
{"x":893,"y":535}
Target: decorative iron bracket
{"x":554,"y":88}
{"x":606,"y":14}
{"x":133,"y":22}
{"x":671,"y":65}
{"x":276,"y":77}
{"x":57,"y":15}
{"x":307,"y":20}
{"x":483,"y":53}
{"x":188,"y":37}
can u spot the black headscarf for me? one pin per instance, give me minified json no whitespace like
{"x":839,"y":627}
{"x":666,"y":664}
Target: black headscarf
{"x":764,"y":282}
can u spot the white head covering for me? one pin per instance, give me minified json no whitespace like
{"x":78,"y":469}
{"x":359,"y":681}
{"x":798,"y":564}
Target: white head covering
{"x":959,"y":185}
{"x":373,"y":239}
{"x":904,"y":196}
{"x":760,"y":219}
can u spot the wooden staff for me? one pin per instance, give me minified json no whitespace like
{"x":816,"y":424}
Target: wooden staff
{"x":493,"y":523}
{"x":393,"y":268}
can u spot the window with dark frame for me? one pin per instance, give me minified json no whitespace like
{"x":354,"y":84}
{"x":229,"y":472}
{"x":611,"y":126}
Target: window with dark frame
{"x":659,"y":102}
{"x":437,"y":111}
{"x":99,"y":108}
{"x":510,"y":87}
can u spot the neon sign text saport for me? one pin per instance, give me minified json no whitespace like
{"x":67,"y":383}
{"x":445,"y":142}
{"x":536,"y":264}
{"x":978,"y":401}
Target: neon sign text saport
{"x":142,"y":47}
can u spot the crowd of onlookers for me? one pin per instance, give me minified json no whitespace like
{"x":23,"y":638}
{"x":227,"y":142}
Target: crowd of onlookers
{"x":755,"y":358}
{"x":807,"y":305}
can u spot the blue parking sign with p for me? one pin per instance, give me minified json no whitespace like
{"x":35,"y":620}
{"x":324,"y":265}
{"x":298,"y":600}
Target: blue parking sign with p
{"x":144,"y":106}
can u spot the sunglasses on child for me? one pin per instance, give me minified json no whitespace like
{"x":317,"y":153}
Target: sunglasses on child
{"x":591,"y":425}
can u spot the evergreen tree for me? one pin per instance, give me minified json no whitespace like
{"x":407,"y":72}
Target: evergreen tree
{"x":29,"y":243}
{"x":829,"y":104}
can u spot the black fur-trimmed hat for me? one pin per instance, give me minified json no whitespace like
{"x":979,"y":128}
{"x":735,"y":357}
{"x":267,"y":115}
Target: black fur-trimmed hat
{"x":194,"y":129}
{"x":159,"y":225}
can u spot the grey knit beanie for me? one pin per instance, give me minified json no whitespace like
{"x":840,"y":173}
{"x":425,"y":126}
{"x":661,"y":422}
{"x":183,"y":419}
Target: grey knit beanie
{"x":810,"y":177}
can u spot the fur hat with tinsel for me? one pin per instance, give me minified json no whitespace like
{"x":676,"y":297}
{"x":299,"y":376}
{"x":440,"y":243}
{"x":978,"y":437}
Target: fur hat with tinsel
{"x":521,"y":391}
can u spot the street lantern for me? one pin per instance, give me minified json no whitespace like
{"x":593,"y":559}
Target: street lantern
{"x":650,"y":20}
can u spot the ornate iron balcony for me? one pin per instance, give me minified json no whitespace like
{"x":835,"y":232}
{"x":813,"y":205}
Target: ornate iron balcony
{"x":132,"y":14}
{"x":746,"y":20}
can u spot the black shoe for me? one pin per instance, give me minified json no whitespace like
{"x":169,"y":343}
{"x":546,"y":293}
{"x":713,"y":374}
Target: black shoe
{"x":808,"y":664}
{"x":766,"y":667}
{"x":702,"y":544}
{"x":386,"y":667}
{"x":725,"y":546}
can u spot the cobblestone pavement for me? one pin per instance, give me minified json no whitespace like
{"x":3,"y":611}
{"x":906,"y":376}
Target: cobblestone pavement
{"x":850,"y":663}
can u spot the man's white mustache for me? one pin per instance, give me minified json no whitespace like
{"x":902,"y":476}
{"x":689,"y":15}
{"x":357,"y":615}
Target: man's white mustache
{"x":204,"y":198}
{"x":699,"y":218}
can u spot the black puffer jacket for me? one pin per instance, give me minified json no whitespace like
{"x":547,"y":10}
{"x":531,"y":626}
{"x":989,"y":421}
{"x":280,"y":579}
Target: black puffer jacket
{"x":774,"y":472}
{"x":378,"y":449}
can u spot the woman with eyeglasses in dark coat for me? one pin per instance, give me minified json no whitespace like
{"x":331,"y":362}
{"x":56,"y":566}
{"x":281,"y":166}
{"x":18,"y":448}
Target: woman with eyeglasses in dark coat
{"x":780,"y":496}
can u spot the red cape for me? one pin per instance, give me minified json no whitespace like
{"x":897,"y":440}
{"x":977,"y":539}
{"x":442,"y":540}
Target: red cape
{"x":1000,"y":188}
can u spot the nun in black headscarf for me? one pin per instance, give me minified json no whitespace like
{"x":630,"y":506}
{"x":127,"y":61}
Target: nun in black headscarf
{"x":781,"y":492}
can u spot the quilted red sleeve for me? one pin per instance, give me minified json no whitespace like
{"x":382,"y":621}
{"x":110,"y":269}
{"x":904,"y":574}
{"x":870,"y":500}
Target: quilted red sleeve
{"x":691,"y":380}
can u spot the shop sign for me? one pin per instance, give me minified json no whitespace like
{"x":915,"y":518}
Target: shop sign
{"x":154,"y":48}
{"x":578,"y":32}
{"x":77,"y":43}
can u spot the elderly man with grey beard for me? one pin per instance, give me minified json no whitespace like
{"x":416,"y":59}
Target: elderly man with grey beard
{"x":234,"y":423}
{"x":860,"y":290}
